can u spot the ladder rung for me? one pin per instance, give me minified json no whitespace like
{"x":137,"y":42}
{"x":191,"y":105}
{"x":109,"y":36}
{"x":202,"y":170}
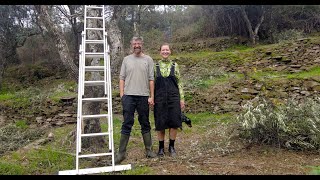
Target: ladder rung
{"x":94,"y":155}
{"x":90,"y":17}
{"x":94,"y":83}
{"x":95,"y":99}
{"x":95,"y":41}
{"x":100,"y":29}
{"x":94,"y":7}
{"x":94,"y":134}
{"x":94,"y":55}
{"x":94,"y":68}
{"x":95,"y":116}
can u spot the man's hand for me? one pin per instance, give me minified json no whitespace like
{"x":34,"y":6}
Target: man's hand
{"x":150,"y":101}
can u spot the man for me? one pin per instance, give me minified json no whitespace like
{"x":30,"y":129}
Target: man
{"x":136,"y":91}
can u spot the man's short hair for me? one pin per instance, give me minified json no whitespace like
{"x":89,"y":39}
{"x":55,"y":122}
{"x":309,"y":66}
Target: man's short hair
{"x":135,"y":38}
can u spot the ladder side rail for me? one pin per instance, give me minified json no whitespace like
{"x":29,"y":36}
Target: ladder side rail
{"x":107,"y":89}
{"x":82,"y":77}
{"x":81,"y":87}
{"x":110,"y":119}
{"x":78,"y":109}
{"x":104,"y":50}
{"x":83,"y":74}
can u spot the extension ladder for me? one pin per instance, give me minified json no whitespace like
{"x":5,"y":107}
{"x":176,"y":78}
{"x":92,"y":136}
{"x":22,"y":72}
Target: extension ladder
{"x":106,"y":82}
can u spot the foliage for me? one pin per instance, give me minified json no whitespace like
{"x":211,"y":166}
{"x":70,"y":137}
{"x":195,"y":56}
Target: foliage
{"x":290,"y":34}
{"x":152,"y":39}
{"x":294,"y":125}
{"x":13,"y":136}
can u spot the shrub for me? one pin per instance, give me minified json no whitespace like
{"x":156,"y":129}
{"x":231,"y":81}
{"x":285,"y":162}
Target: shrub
{"x":291,"y":34}
{"x":12,"y":137}
{"x":294,"y":125}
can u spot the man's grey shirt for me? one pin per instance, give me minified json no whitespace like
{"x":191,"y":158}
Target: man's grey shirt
{"x":136,"y":73}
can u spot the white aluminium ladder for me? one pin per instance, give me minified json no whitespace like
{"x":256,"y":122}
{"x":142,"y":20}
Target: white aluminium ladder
{"x":106,"y":82}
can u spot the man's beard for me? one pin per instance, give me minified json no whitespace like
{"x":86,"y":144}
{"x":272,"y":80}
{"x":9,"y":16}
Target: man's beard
{"x":137,"y":50}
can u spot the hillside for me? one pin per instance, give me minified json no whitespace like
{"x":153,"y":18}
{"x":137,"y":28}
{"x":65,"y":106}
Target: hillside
{"x":217,"y":81}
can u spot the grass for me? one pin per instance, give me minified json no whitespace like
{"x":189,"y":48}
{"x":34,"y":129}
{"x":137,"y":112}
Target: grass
{"x":315,"y":71}
{"x":267,"y":75}
{"x":28,"y":97}
{"x":48,"y":159}
{"x":209,"y":81}
{"x":235,"y":54}
{"x":35,"y":162}
{"x":315,"y":170}
{"x":22,"y":124}
{"x":6,"y":96}
{"x":57,"y":155}
{"x":275,"y":75}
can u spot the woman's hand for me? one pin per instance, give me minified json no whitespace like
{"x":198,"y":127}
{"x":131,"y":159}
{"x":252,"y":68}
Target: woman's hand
{"x":182,"y":105}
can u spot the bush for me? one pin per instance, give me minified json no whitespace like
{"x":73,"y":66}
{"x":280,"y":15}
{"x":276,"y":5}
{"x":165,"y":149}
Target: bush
{"x":12,"y":137}
{"x":293,"y":125}
{"x":291,"y":34}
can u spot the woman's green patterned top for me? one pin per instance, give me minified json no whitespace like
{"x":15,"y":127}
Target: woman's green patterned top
{"x":165,"y":66}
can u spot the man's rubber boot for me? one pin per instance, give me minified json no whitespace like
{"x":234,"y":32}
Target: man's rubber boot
{"x":122,"y":149}
{"x":148,"y":145}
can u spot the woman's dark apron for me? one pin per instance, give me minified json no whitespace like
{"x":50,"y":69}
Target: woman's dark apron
{"x":167,"y":110}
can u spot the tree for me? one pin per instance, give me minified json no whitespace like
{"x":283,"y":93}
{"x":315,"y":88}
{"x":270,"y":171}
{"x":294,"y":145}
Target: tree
{"x":45,"y":14}
{"x":91,"y":125}
{"x":114,"y":37}
{"x":253,"y":33}
{"x":16,"y":25}
{"x":73,"y":14}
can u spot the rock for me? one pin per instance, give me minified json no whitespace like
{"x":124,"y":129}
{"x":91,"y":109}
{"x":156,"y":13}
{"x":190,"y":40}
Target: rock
{"x":310,"y":85}
{"x":50,"y":136}
{"x":2,"y":120}
{"x":65,"y":115}
{"x":39,"y":120}
{"x":249,"y":91}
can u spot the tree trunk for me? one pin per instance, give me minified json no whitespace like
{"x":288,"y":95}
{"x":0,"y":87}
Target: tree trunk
{"x":73,"y":22}
{"x":252,"y":33}
{"x":114,"y":37}
{"x":256,"y":29}
{"x":1,"y":68}
{"x":90,"y":125}
{"x":61,"y":42}
{"x":248,"y":24}
{"x":93,"y":125}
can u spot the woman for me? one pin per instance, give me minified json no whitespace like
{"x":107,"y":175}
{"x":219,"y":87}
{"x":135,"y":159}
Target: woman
{"x":168,"y":99}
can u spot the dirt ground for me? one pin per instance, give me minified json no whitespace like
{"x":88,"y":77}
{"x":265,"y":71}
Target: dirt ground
{"x":198,"y":155}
